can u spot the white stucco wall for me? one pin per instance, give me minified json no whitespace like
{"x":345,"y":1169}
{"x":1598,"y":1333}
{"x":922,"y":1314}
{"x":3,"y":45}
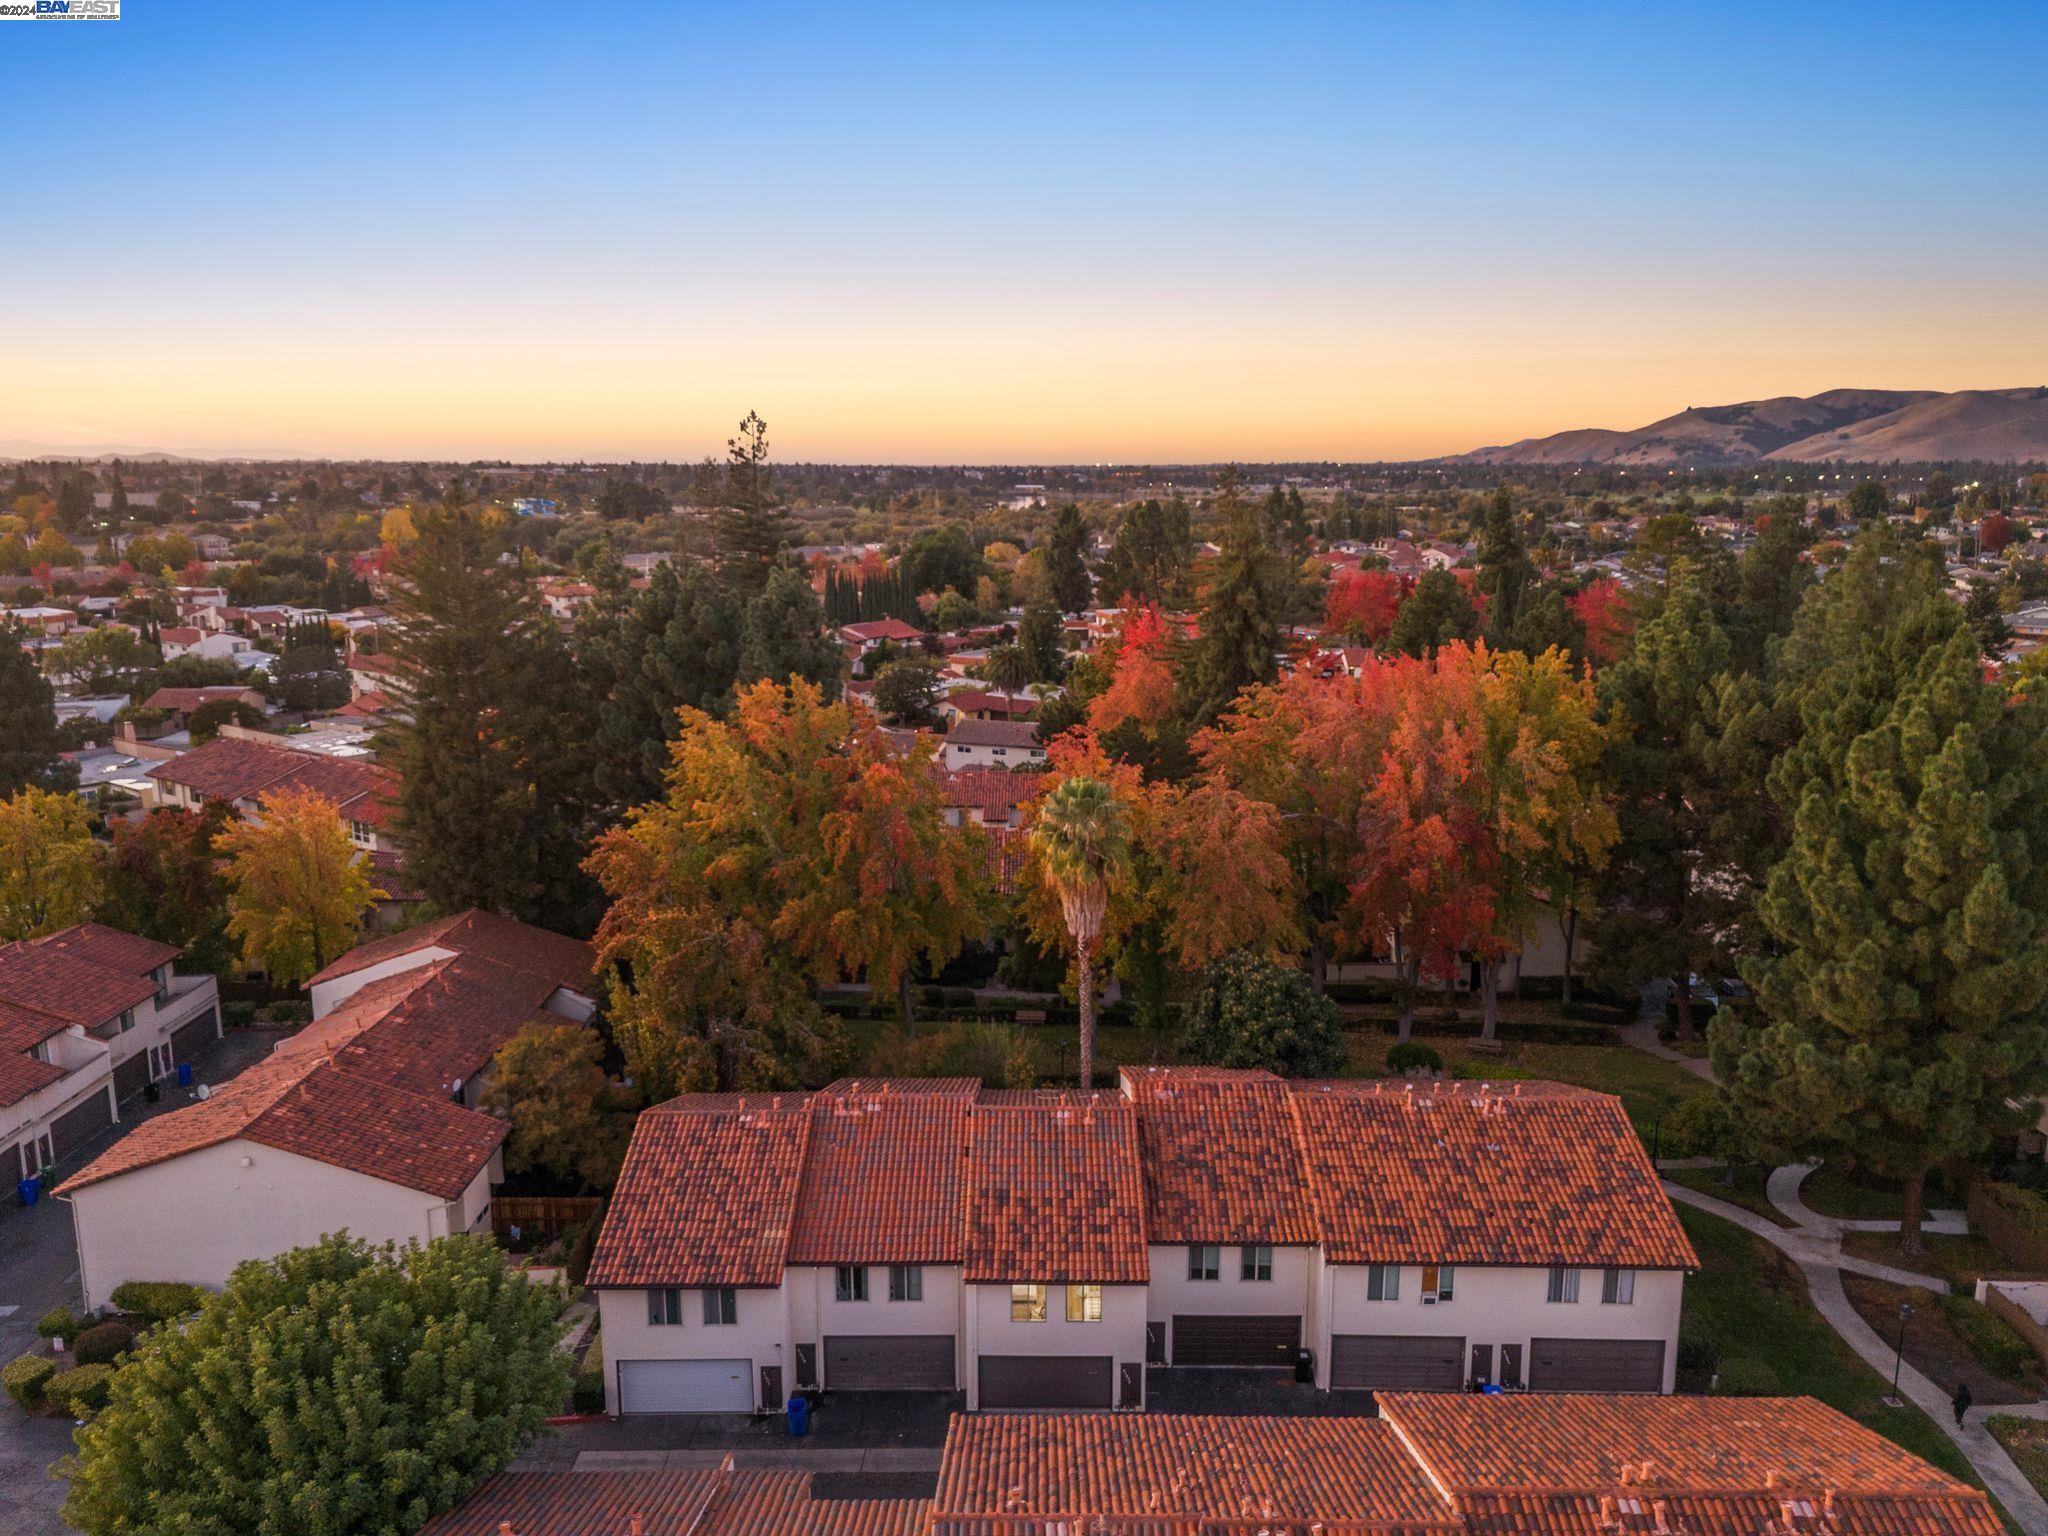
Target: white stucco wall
{"x":1502,"y":1305}
{"x":760,"y":1335}
{"x":816,"y":1313}
{"x":195,"y":1217}
{"x":329,"y":995}
{"x":1229,"y":1295}
{"x":1121,"y":1333}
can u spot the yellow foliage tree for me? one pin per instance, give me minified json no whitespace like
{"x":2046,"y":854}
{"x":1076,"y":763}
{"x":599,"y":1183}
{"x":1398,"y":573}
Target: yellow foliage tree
{"x":50,"y":867}
{"x":397,"y":529}
{"x":298,"y":889}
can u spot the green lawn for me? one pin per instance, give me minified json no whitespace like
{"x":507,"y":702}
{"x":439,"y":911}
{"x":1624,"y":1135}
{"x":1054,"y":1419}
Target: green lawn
{"x":1952,"y":1261}
{"x":1751,"y":1301}
{"x":1745,"y":1190}
{"x":1851,"y":1195}
{"x":2026,"y":1441}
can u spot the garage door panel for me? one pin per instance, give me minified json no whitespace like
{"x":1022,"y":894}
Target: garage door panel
{"x":919,"y":1362}
{"x":1596,"y":1365}
{"x":1221,"y":1340}
{"x":1048,"y":1381}
{"x":1397,"y":1362}
{"x":686,"y":1386}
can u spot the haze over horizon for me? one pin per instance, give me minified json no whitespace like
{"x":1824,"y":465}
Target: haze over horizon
{"x":1171,"y":234}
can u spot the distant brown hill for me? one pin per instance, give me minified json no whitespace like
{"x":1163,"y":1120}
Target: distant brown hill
{"x":1852,"y":425}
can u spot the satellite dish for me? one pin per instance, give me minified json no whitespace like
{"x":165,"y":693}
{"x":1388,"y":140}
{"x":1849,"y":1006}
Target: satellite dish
{"x":202,"y":1091}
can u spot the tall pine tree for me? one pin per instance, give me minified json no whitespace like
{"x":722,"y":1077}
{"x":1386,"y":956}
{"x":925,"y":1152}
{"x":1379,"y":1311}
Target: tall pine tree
{"x":1240,"y":637}
{"x":28,"y":718}
{"x":749,"y":528}
{"x":1066,"y":561}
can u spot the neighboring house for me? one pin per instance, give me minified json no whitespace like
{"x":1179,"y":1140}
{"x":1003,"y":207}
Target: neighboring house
{"x":988,"y":797}
{"x":179,"y":703}
{"x":565,"y":599}
{"x":993,"y":744}
{"x":983,"y":704}
{"x":1039,"y":1249}
{"x":369,"y":672}
{"x":861,"y":640}
{"x":214,"y":645}
{"x":1427,"y":1465}
{"x":364,"y":1120}
{"x":49,"y":623}
{"x":89,"y":1017}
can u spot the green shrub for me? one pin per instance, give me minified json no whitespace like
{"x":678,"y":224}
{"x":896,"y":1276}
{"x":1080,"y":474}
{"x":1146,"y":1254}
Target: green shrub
{"x":287,"y":1011}
{"x":577,"y":1261}
{"x":1412,"y":1056}
{"x":158,"y":1300}
{"x":1747,"y":1378}
{"x":1698,"y":1355}
{"x":1995,"y":1342}
{"x":237,"y":1014}
{"x":59,"y":1323}
{"x":1249,"y":1012}
{"x":1700,"y":1127}
{"x":25,"y":1376}
{"x":586,"y":1392}
{"x":1486,"y":1071}
{"x":81,"y":1391}
{"x":103,"y":1343}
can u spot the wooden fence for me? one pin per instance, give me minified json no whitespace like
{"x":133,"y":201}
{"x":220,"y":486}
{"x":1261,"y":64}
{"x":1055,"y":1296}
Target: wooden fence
{"x":2018,"y":1318}
{"x":542,"y":1216}
{"x":2020,"y":1242}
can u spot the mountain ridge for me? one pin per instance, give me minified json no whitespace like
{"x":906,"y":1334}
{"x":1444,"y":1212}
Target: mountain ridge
{"x":1845,"y":425}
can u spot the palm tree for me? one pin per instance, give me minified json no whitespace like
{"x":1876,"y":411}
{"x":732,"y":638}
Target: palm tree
{"x":1083,"y":843}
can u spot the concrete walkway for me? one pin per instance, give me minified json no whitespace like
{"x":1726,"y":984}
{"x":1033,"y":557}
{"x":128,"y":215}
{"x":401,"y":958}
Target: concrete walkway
{"x":1642,"y":1036}
{"x":1817,"y":1250}
{"x":1782,"y":1190}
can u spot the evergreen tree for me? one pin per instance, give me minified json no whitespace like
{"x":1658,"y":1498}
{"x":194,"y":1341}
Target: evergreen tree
{"x":1066,"y":561}
{"x":1043,"y":642}
{"x":29,"y":742}
{"x":1240,"y":636}
{"x":1437,"y":612}
{"x":1505,"y":571}
{"x":749,"y":529}
{"x":783,"y":635}
{"x":74,"y":503}
{"x":1904,"y":985}
{"x":493,"y":743}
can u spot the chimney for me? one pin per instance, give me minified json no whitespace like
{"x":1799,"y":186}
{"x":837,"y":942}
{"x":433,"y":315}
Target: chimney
{"x":1657,"y":1508}
{"x":636,"y":1527}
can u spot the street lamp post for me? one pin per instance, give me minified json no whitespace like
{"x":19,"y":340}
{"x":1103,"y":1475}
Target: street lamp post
{"x":1899,"y":1353}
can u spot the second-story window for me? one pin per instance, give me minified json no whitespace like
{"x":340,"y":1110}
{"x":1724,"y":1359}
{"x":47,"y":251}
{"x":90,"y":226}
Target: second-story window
{"x":852,"y":1283}
{"x":1564,"y":1284}
{"x":1084,"y":1303}
{"x":1436,"y":1282}
{"x":721,"y":1307}
{"x":1027,"y":1303}
{"x":1618,"y":1287}
{"x":665,"y":1309}
{"x":1205,"y":1261}
{"x":1382,"y":1282}
{"x":906,"y":1282}
{"x":1255,"y":1262}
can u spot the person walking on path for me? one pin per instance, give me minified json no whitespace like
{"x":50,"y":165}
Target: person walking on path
{"x":1962,"y":1402}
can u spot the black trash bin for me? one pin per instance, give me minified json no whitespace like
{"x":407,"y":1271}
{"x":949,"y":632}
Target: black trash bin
{"x":1304,"y":1365}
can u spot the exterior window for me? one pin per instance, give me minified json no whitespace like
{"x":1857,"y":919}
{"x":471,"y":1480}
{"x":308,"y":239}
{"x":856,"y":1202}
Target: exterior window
{"x":1618,"y":1287}
{"x":1382,"y":1282}
{"x":1255,"y":1262}
{"x":721,"y":1307}
{"x":359,"y":833}
{"x":1084,"y":1303}
{"x":1436,"y":1282}
{"x":665,"y":1309}
{"x":906,"y":1282}
{"x":852,"y":1283}
{"x":1564,"y":1284}
{"x":162,"y":978}
{"x":1205,"y":1261}
{"x":1027,"y":1303}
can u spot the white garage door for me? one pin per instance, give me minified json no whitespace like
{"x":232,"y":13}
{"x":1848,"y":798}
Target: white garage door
{"x":686,"y":1386}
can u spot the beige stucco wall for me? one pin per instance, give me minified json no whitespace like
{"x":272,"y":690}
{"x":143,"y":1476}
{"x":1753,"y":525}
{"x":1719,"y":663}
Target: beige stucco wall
{"x":1502,"y":1305}
{"x":1228,"y":1295}
{"x":1121,"y":1332}
{"x":759,"y":1335}
{"x":816,"y":1312}
{"x":329,"y":995}
{"x":195,"y":1217}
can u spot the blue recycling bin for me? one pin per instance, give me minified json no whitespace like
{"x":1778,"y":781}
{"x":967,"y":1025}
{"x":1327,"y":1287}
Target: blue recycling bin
{"x":799,"y":1416}
{"x":1491,"y":1389}
{"x":30,"y":1190}
{"x":184,"y":1074}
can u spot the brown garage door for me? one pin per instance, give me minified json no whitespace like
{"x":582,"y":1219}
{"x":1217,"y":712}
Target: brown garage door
{"x":75,"y":1127}
{"x":188,"y":1039}
{"x":1596,"y":1365}
{"x":1395,"y":1361}
{"x":1048,"y":1381}
{"x":132,"y":1075}
{"x":917,"y":1362}
{"x":1235,"y":1340}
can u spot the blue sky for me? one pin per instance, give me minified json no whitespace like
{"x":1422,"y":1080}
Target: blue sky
{"x":969,"y":231}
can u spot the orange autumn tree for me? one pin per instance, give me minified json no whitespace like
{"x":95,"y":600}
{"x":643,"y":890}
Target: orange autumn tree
{"x":1361,"y":604}
{"x":1141,"y":689}
{"x":1425,"y":871}
{"x":1602,"y":609}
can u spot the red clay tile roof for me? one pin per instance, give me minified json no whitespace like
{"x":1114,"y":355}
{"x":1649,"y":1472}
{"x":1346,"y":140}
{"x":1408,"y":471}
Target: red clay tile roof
{"x":882,"y":629}
{"x":1007,"y":847}
{"x":989,"y":789}
{"x":1476,"y":1173}
{"x":707,"y":1195}
{"x":1159,"y":1466}
{"x":97,"y":944}
{"x":1221,"y":1164}
{"x":1566,"y":1464}
{"x":881,"y":1182}
{"x":185,"y":700}
{"x":521,"y":946}
{"x":47,"y":979}
{"x":300,"y":1100}
{"x":20,"y":1073}
{"x":232,"y":768}
{"x":1054,"y":1193}
{"x":993,"y":733}
{"x":431,"y":1027}
{"x":751,"y":1501}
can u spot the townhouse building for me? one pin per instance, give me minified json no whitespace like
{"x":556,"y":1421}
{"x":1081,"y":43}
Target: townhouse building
{"x":992,"y":744}
{"x":1041,"y":1249}
{"x":366,"y":1120}
{"x":89,"y":1018}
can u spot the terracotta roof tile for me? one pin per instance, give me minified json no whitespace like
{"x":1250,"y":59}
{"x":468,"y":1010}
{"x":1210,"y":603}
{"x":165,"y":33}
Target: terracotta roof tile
{"x":881,"y":1182}
{"x":521,"y":946}
{"x":1475,"y":1173}
{"x":750,"y":1501}
{"x":233,"y":768}
{"x":97,"y":944}
{"x":1054,"y":1192}
{"x":989,"y":789}
{"x":1221,"y":1163}
{"x":707,"y":1197}
{"x":1158,"y":1466}
{"x":49,"y":979}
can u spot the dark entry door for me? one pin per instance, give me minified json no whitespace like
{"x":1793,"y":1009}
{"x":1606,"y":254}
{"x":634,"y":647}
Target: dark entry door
{"x":1482,"y":1362}
{"x":1511,"y":1365}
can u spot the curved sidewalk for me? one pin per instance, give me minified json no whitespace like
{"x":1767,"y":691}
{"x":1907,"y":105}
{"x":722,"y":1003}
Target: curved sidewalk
{"x":1818,"y":1253}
